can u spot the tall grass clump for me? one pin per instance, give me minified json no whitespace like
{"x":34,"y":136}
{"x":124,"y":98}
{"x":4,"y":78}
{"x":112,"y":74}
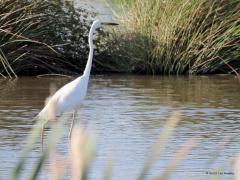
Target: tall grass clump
{"x":179,"y":37}
{"x":43,"y":37}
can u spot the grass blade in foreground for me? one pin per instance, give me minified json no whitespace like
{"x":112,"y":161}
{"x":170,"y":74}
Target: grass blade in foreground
{"x":55,"y":135}
{"x":176,"y":159}
{"x":31,"y":140}
{"x":159,"y":145}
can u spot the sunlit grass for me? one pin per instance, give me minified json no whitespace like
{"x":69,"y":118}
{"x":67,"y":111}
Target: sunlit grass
{"x":155,"y":37}
{"x":179,"y":37}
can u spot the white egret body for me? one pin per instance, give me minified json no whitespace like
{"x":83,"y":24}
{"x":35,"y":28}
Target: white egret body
{"x":71,"y":95}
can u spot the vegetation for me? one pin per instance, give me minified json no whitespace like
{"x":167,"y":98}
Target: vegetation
{"x":43,"y":37}
{"x":155,"y":37}
{"x":81,"y":152}
{"x":77,"y":162}
{"x":179,"y":37}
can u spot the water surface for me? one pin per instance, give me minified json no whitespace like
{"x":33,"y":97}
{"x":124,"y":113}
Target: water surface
{"x":129,"y":113}
{"x":101,"y":7}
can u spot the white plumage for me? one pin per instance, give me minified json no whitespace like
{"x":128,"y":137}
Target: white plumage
{"x":71,"y":95}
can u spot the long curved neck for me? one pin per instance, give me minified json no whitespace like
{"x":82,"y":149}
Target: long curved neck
{"x":90,"y":56}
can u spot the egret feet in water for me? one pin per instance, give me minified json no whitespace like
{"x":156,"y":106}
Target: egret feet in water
{"x":53,"y":122}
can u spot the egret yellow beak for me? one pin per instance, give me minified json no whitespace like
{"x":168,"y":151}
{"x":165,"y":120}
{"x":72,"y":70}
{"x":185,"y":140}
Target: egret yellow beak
{"x":109,"y":23}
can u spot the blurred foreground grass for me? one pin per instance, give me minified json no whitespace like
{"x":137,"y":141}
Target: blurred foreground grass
{"x":81,"y":149}
{"x":81,"y":152}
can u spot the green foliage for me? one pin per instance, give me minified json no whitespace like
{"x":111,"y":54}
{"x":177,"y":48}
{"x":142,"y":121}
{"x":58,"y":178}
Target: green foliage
{"x":180,"y":37}
{"x":43,"y":36}
{"x":156,"y":37}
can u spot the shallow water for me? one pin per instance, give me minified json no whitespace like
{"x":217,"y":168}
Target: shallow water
{"x":101,"y":7}
{"x":128,"y":113}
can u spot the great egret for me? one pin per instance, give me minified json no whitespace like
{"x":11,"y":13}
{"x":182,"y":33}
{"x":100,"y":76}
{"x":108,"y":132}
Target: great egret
{"x":71,"y":95}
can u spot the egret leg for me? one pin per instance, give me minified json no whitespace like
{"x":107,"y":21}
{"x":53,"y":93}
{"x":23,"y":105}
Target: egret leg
{"x":42,"y":135}
{"x":72,"y":124}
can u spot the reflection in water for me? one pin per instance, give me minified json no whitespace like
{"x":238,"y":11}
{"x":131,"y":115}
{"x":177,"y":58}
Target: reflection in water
{"x":128,"y":113}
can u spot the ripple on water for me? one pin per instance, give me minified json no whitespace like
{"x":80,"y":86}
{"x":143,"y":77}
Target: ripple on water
{"x":128,"y":113}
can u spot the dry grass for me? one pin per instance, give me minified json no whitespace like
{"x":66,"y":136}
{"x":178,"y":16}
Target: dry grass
{"x":42,"y":36}
{"x":180,"y":37}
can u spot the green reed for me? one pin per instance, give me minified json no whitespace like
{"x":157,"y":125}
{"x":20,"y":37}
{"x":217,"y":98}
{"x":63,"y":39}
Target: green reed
{"x":179,"y":37}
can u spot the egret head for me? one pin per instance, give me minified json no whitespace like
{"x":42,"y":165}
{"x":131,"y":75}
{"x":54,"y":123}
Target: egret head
{"x":97,"y":24}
